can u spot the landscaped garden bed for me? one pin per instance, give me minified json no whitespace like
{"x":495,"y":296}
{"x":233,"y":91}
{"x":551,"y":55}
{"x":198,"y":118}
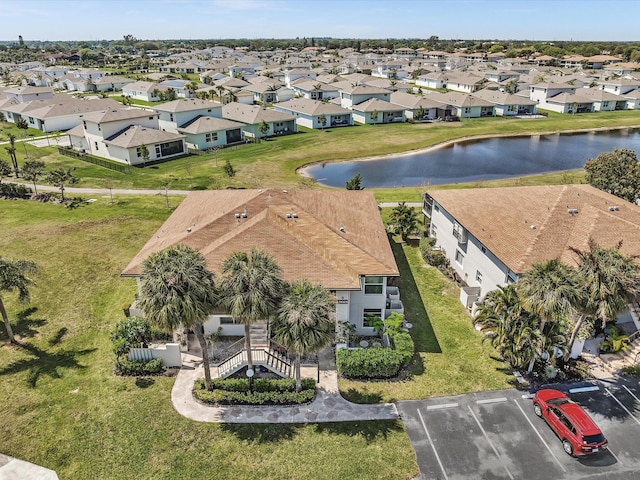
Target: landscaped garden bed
{"x":262,"y":391}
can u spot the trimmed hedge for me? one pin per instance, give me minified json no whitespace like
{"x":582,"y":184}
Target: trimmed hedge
{"x":235,"y":391}
{"x":376,"y":362}
{"x":137,"y":367}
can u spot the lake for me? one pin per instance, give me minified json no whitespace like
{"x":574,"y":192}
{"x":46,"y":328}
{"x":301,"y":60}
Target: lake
{"x":475,"y":160}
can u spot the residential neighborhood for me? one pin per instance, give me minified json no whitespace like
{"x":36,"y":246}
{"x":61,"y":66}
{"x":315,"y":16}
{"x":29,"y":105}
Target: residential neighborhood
{"x":316,"y":240}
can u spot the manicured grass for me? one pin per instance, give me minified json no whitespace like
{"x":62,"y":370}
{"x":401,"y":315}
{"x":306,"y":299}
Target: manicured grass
{"x":64,"y":409}
{"x":451,"y":358}
{"x":273,"y":163}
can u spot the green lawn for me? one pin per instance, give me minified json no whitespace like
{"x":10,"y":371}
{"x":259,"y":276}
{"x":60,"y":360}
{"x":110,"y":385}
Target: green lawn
{"x":273,"y":163}
{"x":64,"y":409}
{"x":451,"y":356}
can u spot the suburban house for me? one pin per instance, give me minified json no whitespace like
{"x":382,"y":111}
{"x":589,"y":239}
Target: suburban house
{"x":315,"y":90}
{"x":253,"y":115}
{"x":506,"y":104}
{"x":147,"y":91}
{"x":332,"y":237}
{"x":28,"y":93}
{"x":619,"y":86}
{"x":119,"y":134}
{"x":604,"y":101}
{"x":467,"y":106}
{"x":433,"y":80}
{"x":465,"y":82}
{"x":111,"y":83}
{"x":203,"y":132}
{"x":569,"y":103}
{"x":354,"y":94}
{"x":491,"y":236}
{"x":295,"y":73}
{"x":176,"y":113}
{"x":425,"y":107}
{"x":308,"y":113}
{"x":374,"y":111}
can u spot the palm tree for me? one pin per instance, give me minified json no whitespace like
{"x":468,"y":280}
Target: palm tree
{"x":14,"y":275}
{"x":550,"y":290}
{"x":250,"y":290}
{"x":404,"y":219}
{"x":178,"y":291}
{"x":11,"y":150}
{"x":610,"y":280}
{"x":305,"y":321}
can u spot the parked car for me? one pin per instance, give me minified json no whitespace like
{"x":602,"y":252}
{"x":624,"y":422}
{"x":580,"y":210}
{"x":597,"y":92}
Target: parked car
{"x":573,"y":426}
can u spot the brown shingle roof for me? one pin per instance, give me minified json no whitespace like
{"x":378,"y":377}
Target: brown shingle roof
{"x":502,"y":219}
{"x":311,"y":246}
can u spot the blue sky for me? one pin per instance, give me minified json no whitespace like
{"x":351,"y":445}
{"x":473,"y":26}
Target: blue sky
{"x":214,"y":19}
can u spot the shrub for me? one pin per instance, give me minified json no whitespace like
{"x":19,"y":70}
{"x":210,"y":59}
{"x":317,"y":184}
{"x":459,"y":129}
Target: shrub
{"x":14,"y":190}
{"x":138,"y":367}
{"x":631,"y":370}
{"x":236,"y":391}
{"x":434,"y":257}
{"x":376,"y":362}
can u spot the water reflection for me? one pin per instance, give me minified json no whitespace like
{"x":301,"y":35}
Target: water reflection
{"x":475,"y":160}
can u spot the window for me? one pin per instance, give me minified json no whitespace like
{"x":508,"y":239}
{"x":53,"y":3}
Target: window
{"x":483,"y":249}
{"x":373,"y":285}
{"x":157,"y":150}
{"x":370,"y":315}
{"x":436,"y":208}
{"x":150,"y":118}
{"x":459,"y":257}
{"x":434,"y":230}
{"x":227,"y":321}
{"x":96,"y":144}
{"x":171,"y":117}
{"x":211,"y":137}
{"x":479,"y":276}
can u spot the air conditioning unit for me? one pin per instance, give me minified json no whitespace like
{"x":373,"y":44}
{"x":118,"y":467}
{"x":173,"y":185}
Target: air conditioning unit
{"x":459,"y":233}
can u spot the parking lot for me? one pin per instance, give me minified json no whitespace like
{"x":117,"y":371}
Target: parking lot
{"x":496,"y":435}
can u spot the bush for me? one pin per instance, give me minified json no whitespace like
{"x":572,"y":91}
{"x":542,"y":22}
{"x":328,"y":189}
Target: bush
{"x":236,"y":391}
{"x":376,"y":362}
{"x":14,"y":190}
{"x":138,"y":367}
{"x":436,"y":258}
{"x":631,"y":370}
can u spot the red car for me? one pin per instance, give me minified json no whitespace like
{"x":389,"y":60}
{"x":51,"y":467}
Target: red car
{"x":579,"y":434}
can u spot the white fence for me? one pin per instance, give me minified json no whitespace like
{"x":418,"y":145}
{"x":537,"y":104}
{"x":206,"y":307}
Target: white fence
{"x":169,"y":353}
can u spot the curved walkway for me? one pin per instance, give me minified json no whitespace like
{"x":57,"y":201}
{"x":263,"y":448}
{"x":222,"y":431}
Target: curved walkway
{"x":328,"y":406}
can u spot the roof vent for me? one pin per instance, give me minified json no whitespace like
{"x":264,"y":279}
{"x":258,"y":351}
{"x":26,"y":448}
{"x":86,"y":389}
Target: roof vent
{"x":533,"y":227}
{"x":288,"y":215}
{"x":614,"y":208}
{"x":189,"y":229}
{"x":295,"y":215}
{"x":342,"y":228}
{"x":572,"y":211}
{"x":243,"y":215}
{"x":284,"y":191}
{"x":237,"y":215}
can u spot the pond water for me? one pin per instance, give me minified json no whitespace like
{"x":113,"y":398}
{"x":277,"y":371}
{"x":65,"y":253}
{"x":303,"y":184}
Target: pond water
{"x":476,"y":160}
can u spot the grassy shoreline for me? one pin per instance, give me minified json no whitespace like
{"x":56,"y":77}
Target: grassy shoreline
{"x":275,"y":162}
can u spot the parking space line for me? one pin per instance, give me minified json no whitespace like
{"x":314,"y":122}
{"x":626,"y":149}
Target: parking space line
{"x":442,"y":405}
{"x":621,"y":404}
{"x":540,"y":436}
{"x":495,"y":450}
{"x":491,"y":400}
{"x":631,"y":393}
{"x":433,"y":447}
{"x":593,"y":388}
{"x":614,"y":456}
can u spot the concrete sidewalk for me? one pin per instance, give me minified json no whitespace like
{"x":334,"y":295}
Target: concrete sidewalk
{"x":14,"y":469}
{"x":328,"y":406}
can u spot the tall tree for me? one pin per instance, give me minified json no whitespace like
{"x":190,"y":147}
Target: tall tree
{"x":11,"y":150}
{"x":14,"y":276}
{"x":404,"y":219}
{"x":616,"y":172}
{"x":250,"y":289}
{"x":551,"y":291}
{"x":305,"y":322}
{"x":32,"y":171}
{"x":62,"y":178}
{"x":144,"y":153}
{"x":178,"y":291}
{"x":610,"y":279}
{"x":263,"y":128}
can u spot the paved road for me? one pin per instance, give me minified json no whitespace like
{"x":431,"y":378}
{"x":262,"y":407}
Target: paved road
{"x":496,"y":435}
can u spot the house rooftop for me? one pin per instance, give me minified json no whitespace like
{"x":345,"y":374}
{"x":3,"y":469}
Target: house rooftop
{"x":328,"y":237}
{"x":527,"y":225}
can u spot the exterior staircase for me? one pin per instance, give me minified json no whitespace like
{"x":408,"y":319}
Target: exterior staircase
{"x":264,"y":353}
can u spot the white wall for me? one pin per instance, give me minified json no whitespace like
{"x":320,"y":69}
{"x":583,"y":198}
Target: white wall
{"x":169,"y":353}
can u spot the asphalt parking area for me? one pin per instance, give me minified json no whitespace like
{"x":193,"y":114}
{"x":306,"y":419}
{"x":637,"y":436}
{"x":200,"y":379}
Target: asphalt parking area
{"x":496,"y":435}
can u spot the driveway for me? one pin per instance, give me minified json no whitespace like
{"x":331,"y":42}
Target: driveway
{"x":496,"y":435}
